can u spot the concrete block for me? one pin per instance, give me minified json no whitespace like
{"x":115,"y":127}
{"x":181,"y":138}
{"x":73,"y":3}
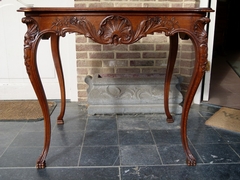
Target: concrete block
{"x":131,"y":93}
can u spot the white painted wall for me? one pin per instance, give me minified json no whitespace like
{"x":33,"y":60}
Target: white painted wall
{"x":14,"y":82}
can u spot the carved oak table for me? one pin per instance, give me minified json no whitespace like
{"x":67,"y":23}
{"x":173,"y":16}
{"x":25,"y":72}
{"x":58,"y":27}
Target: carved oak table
{"x":115,"y":26}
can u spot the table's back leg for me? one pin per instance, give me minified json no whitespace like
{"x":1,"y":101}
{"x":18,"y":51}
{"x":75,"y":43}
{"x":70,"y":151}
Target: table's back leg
{"x":58,"y":66}
{"x":170,"y":66}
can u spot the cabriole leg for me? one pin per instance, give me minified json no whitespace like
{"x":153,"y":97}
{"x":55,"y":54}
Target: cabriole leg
{"x":30,"y":50}
{"x":170,"y":66}
{"x":58,"y":67}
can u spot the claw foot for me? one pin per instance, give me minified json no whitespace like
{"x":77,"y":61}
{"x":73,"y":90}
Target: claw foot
{"x":41,"y":165}
{"x":60,"y":121}
{"x":170,"y":120}
{"x":191,"y":161}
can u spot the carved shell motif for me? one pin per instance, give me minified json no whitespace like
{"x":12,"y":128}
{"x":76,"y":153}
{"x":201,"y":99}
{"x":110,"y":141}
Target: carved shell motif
{"x":115,"y":30}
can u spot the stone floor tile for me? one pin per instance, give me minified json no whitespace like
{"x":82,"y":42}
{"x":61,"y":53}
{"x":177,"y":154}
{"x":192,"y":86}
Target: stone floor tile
{"x":139,"y":155}
{"x":135,"y":137}
{"x":100,"y":138}
{"x":217,"y":153}
{"x":100,"y":156}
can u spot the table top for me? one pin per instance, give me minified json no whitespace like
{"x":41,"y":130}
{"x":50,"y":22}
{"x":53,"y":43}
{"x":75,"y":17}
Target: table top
{"x":114,"y":9}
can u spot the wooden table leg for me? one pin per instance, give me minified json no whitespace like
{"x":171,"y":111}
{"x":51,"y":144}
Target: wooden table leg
{"x":31,"y":41}
{"x":199,"y":39}
{"x":194,"y":83}
{"x":169,"y":71}
{"x":58,"y":66}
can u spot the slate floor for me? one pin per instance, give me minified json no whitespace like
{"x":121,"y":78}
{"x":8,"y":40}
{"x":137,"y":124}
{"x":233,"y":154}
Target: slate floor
{"x":121,"y":147}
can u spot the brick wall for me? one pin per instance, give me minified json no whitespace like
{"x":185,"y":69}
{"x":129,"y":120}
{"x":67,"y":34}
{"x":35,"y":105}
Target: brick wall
{"x":149,"y":55}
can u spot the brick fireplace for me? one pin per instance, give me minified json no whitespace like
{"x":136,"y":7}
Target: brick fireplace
{"x":148,"y":56}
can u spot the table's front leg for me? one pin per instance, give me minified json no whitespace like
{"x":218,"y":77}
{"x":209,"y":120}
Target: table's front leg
{"x":199,"y":39}
{"x":58,"y":67}
{"x":170,"y":66}
{"x":192,"y":88}
{"x":32,"y":69}
{"x":31,"y":41}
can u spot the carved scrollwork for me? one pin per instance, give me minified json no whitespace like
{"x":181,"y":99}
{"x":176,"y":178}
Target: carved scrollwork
{"x":59,"y":24}
{"x":203,"y":58}
{"x":74,"y":24}
{"x":156,"y":24}
{"x":202,"y":38}
{"x":29,"y":38}
{"x":32,"y":31}
{"x":115,"y":29}
{"x":199,"y":29}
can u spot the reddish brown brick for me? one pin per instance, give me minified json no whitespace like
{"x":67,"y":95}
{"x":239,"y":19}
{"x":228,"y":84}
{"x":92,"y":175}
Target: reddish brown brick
{"x":115,"y":63}
{"x":154,"y":70}
{"x":186,"y":63}
{"x":100,"y":70}
{"x":158,"y":4}
{"x":88,"y":47}
{"x":160,"y":63}
{"x":177,"y":64}
{"x":82,"y":55}
{"x":141,"y":47}
{"x":186,"y":71}
{"x":128,"y":55}
{"x":101,"y":55}
{"x":101,"y":4}
{"x":188,"y":47}
{"x":89,"y":63}
{"x":160,"y":70}
{"x":127,"y":4}
{"x":155,"y":39}
{"x":82,"y":86}
{"x":189,"y":5}
{"x":187,"y":55}
{"x":82,"y":71}
{"x":80,"y":78}
{"x":154,"y":55}
{"x":80,"y":5}
{"x":141,"y":63}
{"x":115,"y":48}
{"x":162,"y":47}
{"x":177,"y":5}
{"x":127,"y":70}
{"x":82,"y":93}
{"x":81,"y":39}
